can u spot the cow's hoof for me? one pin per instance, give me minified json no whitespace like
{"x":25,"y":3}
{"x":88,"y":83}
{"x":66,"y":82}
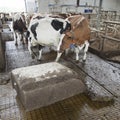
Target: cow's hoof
{"x":83,"y":61}
{"x":16,"y":44}
{"x":65,"y":58}
{"x":39,"y":60}
{"x":33,"y":57}
{"x":77,"y":61}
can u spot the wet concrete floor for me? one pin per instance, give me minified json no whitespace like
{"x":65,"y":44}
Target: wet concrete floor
{"x":79,"y":107}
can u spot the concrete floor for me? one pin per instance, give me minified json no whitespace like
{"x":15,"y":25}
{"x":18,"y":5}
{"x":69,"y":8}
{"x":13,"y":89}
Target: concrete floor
{"x":95,"y":71}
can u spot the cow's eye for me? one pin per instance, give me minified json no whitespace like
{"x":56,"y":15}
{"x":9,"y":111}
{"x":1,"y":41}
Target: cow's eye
{"x":69,"y":37}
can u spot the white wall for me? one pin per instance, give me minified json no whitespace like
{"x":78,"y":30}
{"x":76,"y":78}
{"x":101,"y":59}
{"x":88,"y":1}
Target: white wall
{"x":44,"y":4}
{"x":12,"y":6}
{"x":62,"y":2}
{"x":118,"y":5}
{"x":109,"y":4}
{"x":31,"y":6}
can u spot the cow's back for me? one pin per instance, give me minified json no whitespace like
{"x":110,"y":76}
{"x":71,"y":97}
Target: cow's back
{"x":19,"y":23}
{"x":80,"y":28}
{"x":41,"y":31}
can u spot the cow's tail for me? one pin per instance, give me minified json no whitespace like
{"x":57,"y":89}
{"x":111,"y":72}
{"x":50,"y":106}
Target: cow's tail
{"x":27,"y":34}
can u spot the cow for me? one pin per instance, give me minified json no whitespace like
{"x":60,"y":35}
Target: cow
{"x":19,"y":27}
{"x":28,"y":17}
{"x":46,"y":31}
{"x":78,"y":38}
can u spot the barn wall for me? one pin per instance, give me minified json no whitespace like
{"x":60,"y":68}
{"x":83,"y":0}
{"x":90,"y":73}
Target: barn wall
{"x":109,"y":4}
{"x":118,"y":5}
{"x":44,"y":5}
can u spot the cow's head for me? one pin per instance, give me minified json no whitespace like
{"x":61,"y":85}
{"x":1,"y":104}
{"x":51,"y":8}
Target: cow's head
{"x":61,"y":25}
{"x":67,"y":41}
{"x":19,"y":25}
{"x":79,"y":33}
{"x":66,"y":27}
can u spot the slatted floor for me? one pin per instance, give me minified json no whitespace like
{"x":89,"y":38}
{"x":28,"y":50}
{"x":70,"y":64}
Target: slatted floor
{"x":79,"y":107}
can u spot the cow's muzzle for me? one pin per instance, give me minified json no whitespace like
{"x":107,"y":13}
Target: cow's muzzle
{"x":70,"y":34}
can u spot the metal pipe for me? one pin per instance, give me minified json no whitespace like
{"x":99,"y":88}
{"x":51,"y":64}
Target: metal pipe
{"x":25,"y":6}
{"x":78,"y":3}
{"x":99,"y":14}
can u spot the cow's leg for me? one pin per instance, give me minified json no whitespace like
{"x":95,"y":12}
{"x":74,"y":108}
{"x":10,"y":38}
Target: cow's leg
{"x":30,"y":50}
{"x":58,"y":56}
{"x":15,"y":37}
{"x":67,"y":51}
{"x":25,"y":38}
{"x":40,"y":47}
{"x":77,"y":51}
{"x":85,"y":50}
{"x":40,"y":54}
{"x":59,"y":53}
{"x":22,"y":38}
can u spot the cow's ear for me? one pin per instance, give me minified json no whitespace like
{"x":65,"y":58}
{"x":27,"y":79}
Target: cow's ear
{"x":62,"y":31}
{"x":67,"y":27}
{"x":57,"y":24}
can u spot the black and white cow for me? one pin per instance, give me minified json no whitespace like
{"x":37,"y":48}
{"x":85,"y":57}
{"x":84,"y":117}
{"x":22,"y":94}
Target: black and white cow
{"x":19,"y":27}
{"x":46,"y":31}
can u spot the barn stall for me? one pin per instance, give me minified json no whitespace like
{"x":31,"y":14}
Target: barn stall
{"x":98,"y":97}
